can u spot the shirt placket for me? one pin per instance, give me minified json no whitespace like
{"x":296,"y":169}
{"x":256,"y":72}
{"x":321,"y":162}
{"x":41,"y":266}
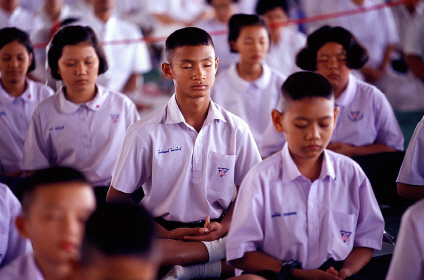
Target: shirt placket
{"x":22,"y":124}
{"x":198,"y":158}
{"x":84,"y":124}
{"x":313,"y":222}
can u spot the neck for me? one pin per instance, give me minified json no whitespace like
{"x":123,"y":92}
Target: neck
{"x":53,"y":11}
{"x":14,"y":89}
{"x":103,"y":15}
{"x":55,"y":271}
{"x":338,"y":91}
{"x":80,"y":97}
{"x":309,"y":167}
{"x":194,"y":110}
{"x":249,"y":72}
{"x":358,"y":2}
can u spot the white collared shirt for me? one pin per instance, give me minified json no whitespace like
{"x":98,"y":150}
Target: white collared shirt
{"x":12,"y":245}
{"x":282,"y":55}
{"x":186,"y":175}
{"x":365,"y":117}
{"x":414,"y":41}
{"x":285,"y":215}
{"x":412,"y":170}
{"x":84,"y":136}
{"x":23,"y":268}
{"x":407,"y":260}
{"x":15,"y":115}
{"x":252,"y":101}
{"x":126,"y":53}
{"x":20,"y":18}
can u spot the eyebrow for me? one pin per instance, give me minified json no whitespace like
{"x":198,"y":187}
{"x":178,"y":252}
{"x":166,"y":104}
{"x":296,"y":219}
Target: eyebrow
{"x":191,"y":61}
{"x":306,"y":119}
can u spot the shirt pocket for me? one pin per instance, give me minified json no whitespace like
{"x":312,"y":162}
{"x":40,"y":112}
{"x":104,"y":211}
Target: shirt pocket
{"x":220,"y":172}
{"x":343,"y":233}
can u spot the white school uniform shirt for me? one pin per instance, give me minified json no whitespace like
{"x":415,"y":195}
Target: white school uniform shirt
{"x":282,"y":56}
{"x":15,"y":115}
{"x":84,"y":136}
{"x":407,"y":261}
{"x":23,"y":268}
{"x":220,"y":40}
{"x":414,"y":41}
{"x":186,"y":175}
{"x":365,"y":118}
{"x":283,"y":214}
{"x":126,"y":53}
{"x":20,"y":18}
{"x":412,"y":170}
{"x":252,"y":101}
{"x":12,"y":245}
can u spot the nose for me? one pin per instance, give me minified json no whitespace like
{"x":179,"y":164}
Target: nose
{"x":71,"y":227}
{"x":313,"y":132}
{"x":81,"y":69}
{"x":198,"y":73}
{"x":332,"y":63}
{"x":14,"y":62}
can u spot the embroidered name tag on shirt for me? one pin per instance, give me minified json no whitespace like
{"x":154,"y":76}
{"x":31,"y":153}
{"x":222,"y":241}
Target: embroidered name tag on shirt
{"x":275,"y":215}
{"x":289,"y":214}
{"x":170,"y":150}
{"x":222,"y":171}
{"x":345,"y":235}
{"x":114,"y":117}
{"x":60,"y":127}
{"x":355,"y":116}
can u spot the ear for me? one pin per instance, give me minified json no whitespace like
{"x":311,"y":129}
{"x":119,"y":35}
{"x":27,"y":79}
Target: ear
{"x":233,"y":45}
{"x":216,"y":63}
{"x":167,"y":71}
{"x":20,"y":223}
{"x":336,"y":113}
{"x":277,"y":120}
{"x":31,"y":57}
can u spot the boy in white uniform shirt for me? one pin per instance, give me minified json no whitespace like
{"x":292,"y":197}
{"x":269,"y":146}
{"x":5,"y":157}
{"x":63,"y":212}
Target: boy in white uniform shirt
{"x":317,"y":204}
{"x":55,"y":205}
{"x":187,"y":156}
{"x":12,"y":245}
{"x":407,"y":261}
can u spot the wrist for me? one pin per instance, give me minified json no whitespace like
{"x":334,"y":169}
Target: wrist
{"x":289,"y":267}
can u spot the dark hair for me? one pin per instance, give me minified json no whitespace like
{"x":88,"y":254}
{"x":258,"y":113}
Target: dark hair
{"x":70,"y":36}
{"x":52,"y":175}
{"x":356,"y":54}
{"x":209,"y":1}
{"x":264,"y":6}
{"x":238,"y":21}
{"x":11,"y":34}
{"x":119,"y":229}
{"x":305,"y":84}
{"x":188,"y":36}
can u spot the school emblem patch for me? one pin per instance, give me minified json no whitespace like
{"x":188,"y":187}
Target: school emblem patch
{"x":345,"y":235}
{"x":222,"y":171}
{"x":355,"y":116}
{"x":114,"y":117}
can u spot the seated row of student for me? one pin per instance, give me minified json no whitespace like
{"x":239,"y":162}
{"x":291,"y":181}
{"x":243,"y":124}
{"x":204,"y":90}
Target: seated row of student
{"x":187,"y":157}
{"x":55,"y":205}
{"x":249,"y":88}
{"x":12,"y":245}
{"x":13,"y":15}
{"x":286,"y":41}
{"x":19,"y":97}
{"x":366,"y":122}
{"x":407,"y":260}
{"x":83,"y":124}
{"x":119,"y":243}
{"x":305,"y":206}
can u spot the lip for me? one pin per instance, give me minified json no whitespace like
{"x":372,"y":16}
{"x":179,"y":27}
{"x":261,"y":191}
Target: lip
{"x":313,"y":148}
{"x":82,"y":81}
{"x":200,"y":87}
{"x":256,"y":56}
{"x":14,"y":73}
{"x":68,"y":246}
{"x":334,"y":76}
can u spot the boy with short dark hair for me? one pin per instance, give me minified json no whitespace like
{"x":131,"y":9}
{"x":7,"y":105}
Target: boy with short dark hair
{"x":55,"y":205}
{"x":187,"y":157}
{"x":119,"y":243}
{"x":305,"y":206}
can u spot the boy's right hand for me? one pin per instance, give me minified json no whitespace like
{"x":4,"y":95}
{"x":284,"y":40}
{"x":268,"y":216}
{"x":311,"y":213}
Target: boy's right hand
{"x":315,"y":274}
{"x":179,"y":233}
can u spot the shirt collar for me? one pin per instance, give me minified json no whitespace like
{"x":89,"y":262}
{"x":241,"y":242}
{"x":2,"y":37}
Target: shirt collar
{"x":241,"y":85}
{"x":68,"y":107}
{"x":291,"y":172}
{"x":174,"y":115}
{"x":349,"y":93}
{"x":26,"y":96}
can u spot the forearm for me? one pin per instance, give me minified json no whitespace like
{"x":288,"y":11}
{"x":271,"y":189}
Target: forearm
{"x":131,"y":84}
{"x":370,"y":149}
{"x":226,"y":221}
{"x":386,"y":57}
{"x":412,"y":192}
{"x":115,"y":195}
{"x":416,"y":64}
{"x":357,"y":259}
{"x":256,"y":261}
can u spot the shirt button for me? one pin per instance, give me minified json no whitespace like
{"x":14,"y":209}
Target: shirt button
{"x":311,"y":204}
{"x":83,"y":119}
{"x":197,"y":159}
{"x":85,"y":136}
{"x":314,"y":229}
